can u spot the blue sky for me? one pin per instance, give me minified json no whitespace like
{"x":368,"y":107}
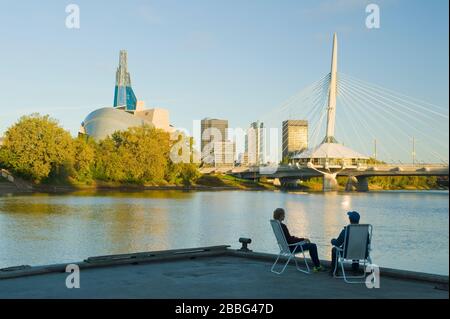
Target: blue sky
{"x":199,"y":58}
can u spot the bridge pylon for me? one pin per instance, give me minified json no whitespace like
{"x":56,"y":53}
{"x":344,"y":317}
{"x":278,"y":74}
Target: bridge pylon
{"x":358,"y":183}
{"x":329,"y":182}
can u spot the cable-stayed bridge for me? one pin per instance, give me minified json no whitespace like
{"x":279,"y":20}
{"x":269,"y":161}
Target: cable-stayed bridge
{"x":357,"y":177}
{"x":358,"y":129}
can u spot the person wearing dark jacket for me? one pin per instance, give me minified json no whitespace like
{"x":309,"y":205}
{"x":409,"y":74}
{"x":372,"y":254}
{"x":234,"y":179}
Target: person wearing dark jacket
{"x":339,"y":242}
{"x":279,"y":215}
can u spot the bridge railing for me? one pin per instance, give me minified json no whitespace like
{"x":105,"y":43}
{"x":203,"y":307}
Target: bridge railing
{"x":366,"y":167}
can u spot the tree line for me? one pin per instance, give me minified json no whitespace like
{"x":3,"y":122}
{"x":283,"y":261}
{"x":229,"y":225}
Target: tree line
{"x":38,"y":149}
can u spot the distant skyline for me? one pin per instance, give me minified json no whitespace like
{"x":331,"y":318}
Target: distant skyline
{"x":221,"y":59}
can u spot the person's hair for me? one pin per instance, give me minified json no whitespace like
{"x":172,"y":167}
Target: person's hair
{"x":277,"y":213}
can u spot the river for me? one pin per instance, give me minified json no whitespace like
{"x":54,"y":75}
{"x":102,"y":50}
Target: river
{"x":410,"y":228}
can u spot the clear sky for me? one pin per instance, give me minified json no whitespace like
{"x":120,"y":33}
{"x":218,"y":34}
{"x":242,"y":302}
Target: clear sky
{"x":229,"y":59}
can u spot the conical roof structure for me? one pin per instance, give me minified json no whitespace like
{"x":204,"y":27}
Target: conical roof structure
{"x":330,"y":150}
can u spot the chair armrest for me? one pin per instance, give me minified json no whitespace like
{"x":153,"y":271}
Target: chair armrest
{"x":299,"y":243}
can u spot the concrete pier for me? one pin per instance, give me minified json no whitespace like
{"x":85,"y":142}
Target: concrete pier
{"x":363,"y":184}
{"x":211,"y":272}
{"x":351,"y":184}
{"x":358,"y":183}
{"x":330,"y":183}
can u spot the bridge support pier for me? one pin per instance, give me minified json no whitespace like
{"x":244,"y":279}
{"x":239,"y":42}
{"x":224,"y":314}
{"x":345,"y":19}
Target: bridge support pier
{"x":288,"y":182}
{"x":363,"y":184}
{"x":329,"y":183}
{"x":352,"y":184}
{"x":358,"y":183}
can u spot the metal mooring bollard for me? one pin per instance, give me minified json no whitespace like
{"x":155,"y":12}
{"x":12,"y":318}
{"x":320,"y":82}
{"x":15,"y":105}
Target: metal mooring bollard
{"x":245,"y":242}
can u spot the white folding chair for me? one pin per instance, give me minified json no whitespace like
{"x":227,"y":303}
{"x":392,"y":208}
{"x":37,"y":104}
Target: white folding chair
{"x":285,"y":250}
{"x":356,"y":248}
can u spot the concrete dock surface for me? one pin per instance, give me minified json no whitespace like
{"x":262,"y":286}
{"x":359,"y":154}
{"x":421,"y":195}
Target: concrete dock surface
{"x":210,"y":276}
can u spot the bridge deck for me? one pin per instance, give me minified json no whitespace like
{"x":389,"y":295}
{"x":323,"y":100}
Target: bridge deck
{"x":286,"y":171}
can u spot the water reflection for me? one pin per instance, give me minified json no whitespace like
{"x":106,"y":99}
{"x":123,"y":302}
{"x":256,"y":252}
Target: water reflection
{"x":42,"y":229}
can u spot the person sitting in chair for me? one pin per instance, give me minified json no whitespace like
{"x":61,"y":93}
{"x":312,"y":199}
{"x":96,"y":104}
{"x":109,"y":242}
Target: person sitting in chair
{"x":279,"y":215}
{"x":339,"y":242}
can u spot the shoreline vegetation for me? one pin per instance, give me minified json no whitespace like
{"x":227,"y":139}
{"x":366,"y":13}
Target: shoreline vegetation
{"x":46,"y":158}
{"x":213,"y":182}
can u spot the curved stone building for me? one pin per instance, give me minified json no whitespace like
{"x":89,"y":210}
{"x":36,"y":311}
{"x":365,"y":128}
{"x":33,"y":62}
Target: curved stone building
{"x":126,"y":111}
{"x":105,"y":121}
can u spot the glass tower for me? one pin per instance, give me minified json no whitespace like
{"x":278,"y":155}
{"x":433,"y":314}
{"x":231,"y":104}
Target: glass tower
{"x":123,"y":93}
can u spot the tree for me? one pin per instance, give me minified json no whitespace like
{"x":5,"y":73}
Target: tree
{"x":172,"y":173}
{"x":36,"y":147}
{"x":137,"y":155}
{"x":188,"y":173}
{"x":84,"y":159}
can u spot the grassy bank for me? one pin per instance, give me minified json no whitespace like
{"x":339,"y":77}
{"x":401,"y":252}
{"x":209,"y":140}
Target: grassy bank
{"x":213,"y":181}
{"x":228,"y":182}
{"x":381,"y":183}
{"x":223,"y":180}
{"x":205,"y":182}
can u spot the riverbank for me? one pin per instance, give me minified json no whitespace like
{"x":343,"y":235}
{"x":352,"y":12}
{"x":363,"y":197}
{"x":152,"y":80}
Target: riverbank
{"x":8,"y":188}
{"x":385,"y":183}
{"x":207,"y":182}
{"x":204,"y":183}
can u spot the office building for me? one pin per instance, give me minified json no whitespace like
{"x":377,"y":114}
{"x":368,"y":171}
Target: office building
{"x":213,"y":131}
{"x":295,"y":137}
{"x":224,"y":153}
{"x":255,"y":144}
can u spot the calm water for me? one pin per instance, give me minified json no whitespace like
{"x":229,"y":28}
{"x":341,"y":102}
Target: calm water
{"x":411,"y":229}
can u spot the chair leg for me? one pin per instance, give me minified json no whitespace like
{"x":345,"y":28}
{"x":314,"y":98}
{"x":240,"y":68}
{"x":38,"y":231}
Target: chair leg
{"x":343,"y":271}
{"x":346,"y":278}
{"x":307,"y":271}
{"x":338,"y":260}
{"x":287,"y":263}
{"x":275,"y":263}
{"x":335,"y":268}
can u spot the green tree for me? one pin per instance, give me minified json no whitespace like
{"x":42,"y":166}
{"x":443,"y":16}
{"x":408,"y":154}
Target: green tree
{"x":188,"y":173}
{"x":36,"y":148}
{"x":137,"y":155}
{"x":108,"y":165}
{"x":84,"y":159}
{"x":172,"y":173}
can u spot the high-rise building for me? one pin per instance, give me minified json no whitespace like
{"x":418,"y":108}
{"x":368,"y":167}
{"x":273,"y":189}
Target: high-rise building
{"x":123,"y":93}
{"x":255,"y":143}
{"x":224,"y":153}
{"x":213,"y":130}
{"x":215,"y":147}
{"x":295,"y":137}
{"x":243,"y":159}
